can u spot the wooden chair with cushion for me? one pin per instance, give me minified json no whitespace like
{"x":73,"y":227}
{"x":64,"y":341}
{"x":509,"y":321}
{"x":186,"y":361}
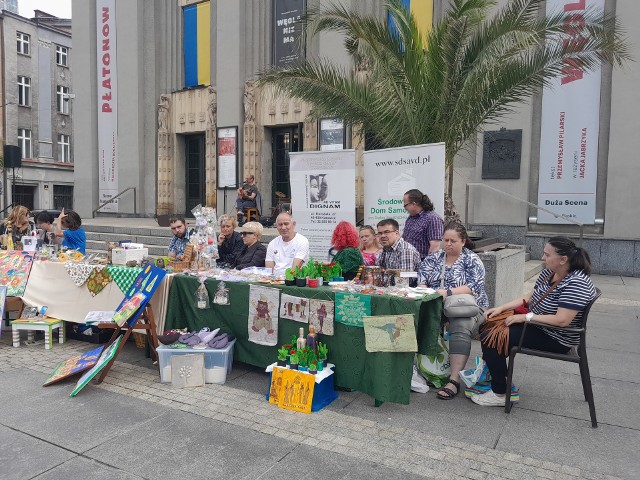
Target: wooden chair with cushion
{"x":576,"y":355}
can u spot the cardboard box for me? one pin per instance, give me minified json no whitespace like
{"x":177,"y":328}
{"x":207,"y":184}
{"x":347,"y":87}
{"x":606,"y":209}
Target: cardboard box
{"x":120,"y":256}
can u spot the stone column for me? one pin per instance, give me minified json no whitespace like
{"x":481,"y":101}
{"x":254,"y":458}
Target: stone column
{"x":211,"y":144}
{"x":252,"y":133}
{"x":165,"y":158}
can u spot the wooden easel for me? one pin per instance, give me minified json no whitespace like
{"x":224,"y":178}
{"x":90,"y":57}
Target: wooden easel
{"x":144,"y":322}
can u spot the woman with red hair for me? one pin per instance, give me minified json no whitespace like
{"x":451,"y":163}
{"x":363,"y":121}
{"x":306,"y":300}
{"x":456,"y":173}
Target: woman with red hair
{"x":345,"y":242}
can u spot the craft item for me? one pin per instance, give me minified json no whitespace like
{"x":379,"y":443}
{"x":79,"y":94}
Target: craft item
{"x":312,"y":338}
{"x":296,"y":391}
{"x":107,"y":355}
{"x":351,"y":308}
{"x":14,"y":271}
{"x":202,"y":296}
{"x":321,"y":316}
{"x":390,"y":333}
{"x":128,"y":308}
{"x":263,"y":315}
{"x":123,"y":276}
{"x":222,"y":295}
{"x":294,"y":308}
{"x":301,"y":342}
{"x":73,"y":365}
{"x":187,"y":370}
{"x":98,"y":279}
{"x":276,"y":385}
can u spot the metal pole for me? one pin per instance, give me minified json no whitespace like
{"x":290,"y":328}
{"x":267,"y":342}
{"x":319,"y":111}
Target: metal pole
{"x":466,"y":208}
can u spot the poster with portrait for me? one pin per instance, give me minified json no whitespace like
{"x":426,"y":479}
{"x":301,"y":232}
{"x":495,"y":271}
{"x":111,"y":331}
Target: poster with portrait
{"x":322,"y":194}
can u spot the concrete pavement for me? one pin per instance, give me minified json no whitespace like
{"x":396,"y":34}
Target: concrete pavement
{"x":132,"y":427}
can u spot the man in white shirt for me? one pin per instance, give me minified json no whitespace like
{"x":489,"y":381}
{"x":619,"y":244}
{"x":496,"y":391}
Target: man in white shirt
{"x":289,"y":249}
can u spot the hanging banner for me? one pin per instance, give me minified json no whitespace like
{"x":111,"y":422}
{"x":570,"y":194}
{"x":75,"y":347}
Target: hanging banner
{"x":389,"y":173}
{"x":322,"y":194}
{"x":570,"y":129}
{"x":288,"y":46}
{"x":107,"y":104}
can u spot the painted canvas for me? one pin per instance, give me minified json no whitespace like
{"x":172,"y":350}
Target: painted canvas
{"x":294,"y":308}
{"x":390,"y":333}
{"x":321,"y":316}
{"x":276,"y":385}
{"x":14,"y":271}
{"x":296,"y":391}
{"x":107,"y":355}
{"x":73,"y":365}
{"x":351,"y":307}
{"x":3,"y":299}
{"x":187,"y":370}
{"x":263,"y":315}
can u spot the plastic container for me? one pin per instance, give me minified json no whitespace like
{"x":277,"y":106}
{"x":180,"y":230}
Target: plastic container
{"x":217,"y":363}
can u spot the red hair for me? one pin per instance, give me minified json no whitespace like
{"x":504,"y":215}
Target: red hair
{"x":345,"y":235}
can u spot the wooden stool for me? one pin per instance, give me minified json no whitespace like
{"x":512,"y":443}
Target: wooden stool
{"x":46,"y":324}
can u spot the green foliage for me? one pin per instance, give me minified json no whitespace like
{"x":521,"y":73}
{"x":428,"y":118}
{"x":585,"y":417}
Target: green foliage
{"x":282,"y":353}
{"x":313,"y":366}
{"x":294,"y":359}
{"x":322,"y":350}
{"x":289,"y":273}
{"x":330,"y":270}
{"x":473,"y":68}
{"x":312,"y":269}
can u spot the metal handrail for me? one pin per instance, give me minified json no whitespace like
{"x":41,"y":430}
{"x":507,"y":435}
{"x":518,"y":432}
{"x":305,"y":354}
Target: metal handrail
{"x":7,"y":208}
{"x":555,"y":214}
{"x":135,"y":207}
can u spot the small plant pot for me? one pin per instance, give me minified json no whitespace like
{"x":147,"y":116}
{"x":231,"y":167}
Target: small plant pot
{"x":313,"y":282}
{"x":282,"y":363}
{"x":290,"y":283}
{"x":303,"y":369}
{"x":320,"y":366}
{"x":313,"y":372}
{"x":293,"y":366}
{"x":338,"y":279}
{"x":301,"y":282}
{"x":323,"y":362}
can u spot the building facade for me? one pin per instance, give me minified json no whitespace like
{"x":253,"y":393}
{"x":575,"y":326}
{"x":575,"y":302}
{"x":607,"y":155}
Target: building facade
{"x":36,"y":111}
{"x":191,"y":122}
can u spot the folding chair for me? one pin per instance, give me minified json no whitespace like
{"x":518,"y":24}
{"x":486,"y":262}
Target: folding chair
{"x":576,"y":355}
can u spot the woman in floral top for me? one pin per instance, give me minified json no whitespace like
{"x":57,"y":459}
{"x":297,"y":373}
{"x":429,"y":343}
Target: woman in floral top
{"x":456,"y":270}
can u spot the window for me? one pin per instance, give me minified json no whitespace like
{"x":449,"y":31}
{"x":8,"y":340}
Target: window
{"x":24,"y":42}
{"x":24,"y":142}
{"x":24,"y":195}
{"x":62,"y":99}
{"x":62,"y":56}
{"x":24,"y":91}
{"x":63,"y":197}
{"x":64,"y":148}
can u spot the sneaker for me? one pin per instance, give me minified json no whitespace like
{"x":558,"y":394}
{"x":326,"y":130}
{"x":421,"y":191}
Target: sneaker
{"x":488,"y":399}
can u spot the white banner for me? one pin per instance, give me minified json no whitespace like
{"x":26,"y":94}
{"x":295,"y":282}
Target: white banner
{"x":107,"y":103}
{"x":322,"y":194}
{"x":570,"y":129}
{"x":389,"y":173}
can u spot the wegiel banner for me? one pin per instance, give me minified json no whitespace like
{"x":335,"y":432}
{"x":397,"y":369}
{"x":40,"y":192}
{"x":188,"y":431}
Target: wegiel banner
{"x":322,"y":194}
{"x":389,"y":173}
{"x":570,"y":129}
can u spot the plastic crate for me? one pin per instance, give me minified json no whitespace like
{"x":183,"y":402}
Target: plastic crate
{"x":217,"y":363}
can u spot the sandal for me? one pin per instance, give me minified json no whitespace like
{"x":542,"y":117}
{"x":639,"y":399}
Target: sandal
{"x":446,"y":393}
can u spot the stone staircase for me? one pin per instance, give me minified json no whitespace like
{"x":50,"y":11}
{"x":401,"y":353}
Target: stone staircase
{"x":531,"y":267}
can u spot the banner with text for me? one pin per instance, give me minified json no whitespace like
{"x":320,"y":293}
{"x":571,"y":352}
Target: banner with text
{"x":322,"y":194}
{"x":389,"y":173}
{"x":570,"y":129}
{"x":107,"y":104}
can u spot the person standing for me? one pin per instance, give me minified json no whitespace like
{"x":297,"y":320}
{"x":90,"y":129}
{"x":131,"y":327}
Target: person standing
{"x":180,"y":238}
{"x":287,"y":250}
{"x":424,"y":227}
{"x":396,"y":253}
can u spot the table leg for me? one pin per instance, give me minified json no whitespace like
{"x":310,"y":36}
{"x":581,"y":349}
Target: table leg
{"x":61,"y":333}
{"x":48,"y":338}
{"x":378,"y":403}
{"x":16,"y":337}
{"x":30,"y":336}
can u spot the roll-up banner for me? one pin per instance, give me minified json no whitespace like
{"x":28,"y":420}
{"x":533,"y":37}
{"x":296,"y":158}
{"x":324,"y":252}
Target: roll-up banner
{"x":107,"y":104}
{"x":389,"y":173}
{"x":570,"y":129}
{"x":322,"y":194}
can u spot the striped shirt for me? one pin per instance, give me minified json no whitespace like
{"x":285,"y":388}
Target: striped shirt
{"x":420,"y":229}
{"x":400,"y":256}
{"x":574,"y":292}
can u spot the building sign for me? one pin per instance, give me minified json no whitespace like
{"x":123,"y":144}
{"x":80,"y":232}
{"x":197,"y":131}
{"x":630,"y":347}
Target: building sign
{"x":570,"y":129}
{"x":107,"y":104}
{"x":288,"y":38}
{"x":322,"y":194}
{"x":227,"y":157}
{"x":331,"y":134}
{"x":390,"y":172}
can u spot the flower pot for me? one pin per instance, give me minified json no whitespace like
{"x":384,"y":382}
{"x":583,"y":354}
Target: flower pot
{"x":301,"y":282}
{"x":322,"y":362}
{"x":320,"y":366}
{"x":338,"y":279}
{"x":313,"y":282}
{"x":303,"y":369}
{"x":282,"y":363}
{"x":290,"y":283}
{"x":313,"y":372}
{"x":293,"y":366}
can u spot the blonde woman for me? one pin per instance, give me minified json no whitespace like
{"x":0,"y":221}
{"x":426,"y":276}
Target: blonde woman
{"x":17,"y":224}
{"x":229,"y":242}
{"x":254,"y":252}
{"x":369,"y":245}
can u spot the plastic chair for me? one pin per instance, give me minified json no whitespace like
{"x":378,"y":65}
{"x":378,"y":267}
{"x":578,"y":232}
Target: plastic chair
{"x":575,"y":355}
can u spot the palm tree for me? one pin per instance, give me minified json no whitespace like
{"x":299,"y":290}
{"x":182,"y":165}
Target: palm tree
{"x":472,"y":69}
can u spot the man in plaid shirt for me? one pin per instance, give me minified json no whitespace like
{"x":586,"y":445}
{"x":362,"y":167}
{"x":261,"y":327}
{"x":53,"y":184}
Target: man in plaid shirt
{"x":424,"y":227}
{"x":396,"y":253}
{"x":180,"y":237}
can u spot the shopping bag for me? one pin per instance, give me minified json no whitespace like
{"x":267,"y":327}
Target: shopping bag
{"x":479,"y":373}
{"x":436,"y":369}
{"x":418,"y":382}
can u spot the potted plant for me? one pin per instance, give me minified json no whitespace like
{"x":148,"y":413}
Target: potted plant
{"x":322,"y":353}
{"x":293,"y":358}
{"x":313,"y":368}
{"x":331,"y":272}
{"x":290,"y":276}
{"x":301,"y":276}
{"x":303,"y":360}
{"x":314,"y":273}
{"x":283,"y":352}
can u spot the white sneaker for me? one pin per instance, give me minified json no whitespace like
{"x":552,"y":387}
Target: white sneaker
{"x":488,"y":399}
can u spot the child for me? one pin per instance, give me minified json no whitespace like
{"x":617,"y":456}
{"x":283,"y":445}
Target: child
{"x":73,"y":235}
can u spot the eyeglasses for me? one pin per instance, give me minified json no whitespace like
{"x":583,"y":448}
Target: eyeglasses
{"x":386,"y":232}
{"x":247,"y":233}
{"x":407,"y":204}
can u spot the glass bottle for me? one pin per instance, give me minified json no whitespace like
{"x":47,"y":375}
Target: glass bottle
{"x":302,"y":342}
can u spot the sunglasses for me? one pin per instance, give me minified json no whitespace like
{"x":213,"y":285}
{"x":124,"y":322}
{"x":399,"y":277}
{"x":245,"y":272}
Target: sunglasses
{"x":247,"y":233}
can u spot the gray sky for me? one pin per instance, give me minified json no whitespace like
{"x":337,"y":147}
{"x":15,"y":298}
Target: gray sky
{"x":59,"y":8}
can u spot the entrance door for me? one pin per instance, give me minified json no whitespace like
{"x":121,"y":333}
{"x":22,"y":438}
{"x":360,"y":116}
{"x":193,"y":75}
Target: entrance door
{"x":194,"y":171}
{"x":284,"y":140}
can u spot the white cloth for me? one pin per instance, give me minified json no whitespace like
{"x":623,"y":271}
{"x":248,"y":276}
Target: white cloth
{"x":282,"y":253}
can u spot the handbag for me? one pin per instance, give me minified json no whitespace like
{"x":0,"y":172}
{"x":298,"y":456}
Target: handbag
{"x":460,"y":305}
{"x":495,"y":332}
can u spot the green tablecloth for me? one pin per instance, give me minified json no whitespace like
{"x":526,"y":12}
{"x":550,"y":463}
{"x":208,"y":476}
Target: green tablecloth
{"x":384,"y":376}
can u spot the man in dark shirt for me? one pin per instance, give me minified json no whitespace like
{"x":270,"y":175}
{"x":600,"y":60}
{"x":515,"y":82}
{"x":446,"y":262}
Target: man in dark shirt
{"x":246,"y":196}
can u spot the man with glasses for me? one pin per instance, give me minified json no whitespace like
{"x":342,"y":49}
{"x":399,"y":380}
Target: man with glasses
{"x":424,"y":227}
{"x":180,"y":238}
{"x":396,"y":253}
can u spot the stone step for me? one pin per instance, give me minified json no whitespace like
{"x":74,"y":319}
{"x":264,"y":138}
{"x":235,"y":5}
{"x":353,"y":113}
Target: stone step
{"x":154,"y":250}
{"x":532,"y":268}
{"x":117,"y":237}
{"x":128,"y":230}
{"x":483,"y":242}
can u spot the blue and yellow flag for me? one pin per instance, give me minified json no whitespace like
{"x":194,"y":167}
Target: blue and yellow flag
{"x":197,"y":44}
{"x":422,"y":11}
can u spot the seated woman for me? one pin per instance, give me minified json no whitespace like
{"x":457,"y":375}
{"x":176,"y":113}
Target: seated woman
{"x":456,"y":270}
{"x":229,"y":242}
{"x":73,"y":235}
{"x":369,"y":245}
{"x":254,"y":252}
{"x":561,"y":293}
{"x":345,"y":243}
{"x":16,"y":226}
